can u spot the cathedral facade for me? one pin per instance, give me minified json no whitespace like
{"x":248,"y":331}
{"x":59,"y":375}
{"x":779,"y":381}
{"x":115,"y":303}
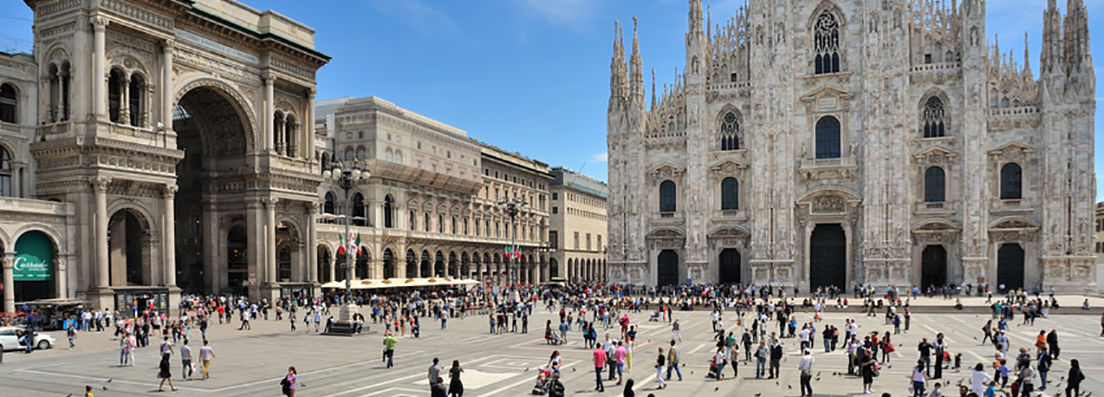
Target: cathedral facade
{"x":883,"y":142}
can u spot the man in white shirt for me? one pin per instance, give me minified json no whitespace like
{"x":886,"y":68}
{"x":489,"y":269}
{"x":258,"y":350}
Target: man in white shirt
{"x":166,"y":347}
{"x":805,"y":338}
{"x":806,"y":367}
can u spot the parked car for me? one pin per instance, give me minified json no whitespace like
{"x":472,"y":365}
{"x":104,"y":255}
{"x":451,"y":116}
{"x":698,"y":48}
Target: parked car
{"x":9,"y":339}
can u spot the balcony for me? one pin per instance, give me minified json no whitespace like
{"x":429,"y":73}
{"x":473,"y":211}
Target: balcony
{"x":36,"y":207}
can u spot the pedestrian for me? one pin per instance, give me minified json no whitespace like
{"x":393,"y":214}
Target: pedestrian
{"x":628,"y":355}
{"x":660,"y":364}
{"x":456,"y":387}
{"x":1074,"y":378}
{"x":1026,"y":380}
{"x":806,"y":368}
{"x":619,"y":359}
{"x":206,"y":354}
{"x":940,"y":347}
{"x":291,"y":318}
{"x":389,"y":342}
{"x":186,"y":360}
{"x":288,"y":384}
{"x":88,"y":388}
{"x":434,"y":375}
{"x":1052,"y":341}
{"x":166,"y":347}
{"x":599,"y":365}
{"x":676,"y":332}
{"x":1042,"y":365}
{"x":673,"y":360}
{"x":733,"y":358}
{"x":775,"y":358}
{"x":165,"y":374}
{"x":628,"y":392}
{"x":867,"y":370}
{"x":919,"y":379}
{"x":979,"y":379}
{"x":761,"y":359}
{"x":438,"y":389}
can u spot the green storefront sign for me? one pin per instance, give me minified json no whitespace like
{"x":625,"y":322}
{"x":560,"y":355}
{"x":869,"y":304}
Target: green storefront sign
{"x":34,"y":258}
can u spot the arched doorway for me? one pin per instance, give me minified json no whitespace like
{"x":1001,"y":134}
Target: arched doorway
{"x":668,"y":272}
{"x":287,"y":249}
{"x":128,"y":245}
{"x":324,"y":258}
{"x":933,"y":266}
{"x":214,"y":134}
{"x":411,"y":264}
{"x":1010,"y":267}
{"x":388,"y":264}
{"x":363,"y":258}
{"x":237,"y":253}
{"x":33,"y":271}
{"x":453,"y":266}
{"x":828,"y":256}
{"x":439,"y":269}
{"x":729,"y":266}
{"x":426,"y":269}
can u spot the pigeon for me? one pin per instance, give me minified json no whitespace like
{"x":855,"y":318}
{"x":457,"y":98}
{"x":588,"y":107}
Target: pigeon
{"x":104,"y":387}
{"x":789,"y":386}
{"x":716,"y":388}
{"x":70,"y":395}
{"x":758,"y":394}
{"x":573,"y":370}
{"x":526,"y":369}
{"x":109,"y":380}
{"x":818,"y":379}
{"x":818,"y":374}
{"x":777,"y":384}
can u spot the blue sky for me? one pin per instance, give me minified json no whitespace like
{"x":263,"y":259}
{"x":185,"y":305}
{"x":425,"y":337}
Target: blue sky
{"x":530,"y":76}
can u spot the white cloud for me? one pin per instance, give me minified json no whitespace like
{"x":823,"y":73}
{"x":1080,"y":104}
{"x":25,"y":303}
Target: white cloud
{"x":599,"y":158}
{"x":564,"y":11}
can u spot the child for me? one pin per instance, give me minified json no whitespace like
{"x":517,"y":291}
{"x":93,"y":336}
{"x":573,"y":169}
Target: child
{"x":958,"y":361}
{"x":989,"y":391}
{"x":1004,"y":370}
{"x":936,"y":392}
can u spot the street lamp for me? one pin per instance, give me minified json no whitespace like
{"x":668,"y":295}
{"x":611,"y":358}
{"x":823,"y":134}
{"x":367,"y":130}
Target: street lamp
{"x":513,"y":206}
{"x":347,"y":177}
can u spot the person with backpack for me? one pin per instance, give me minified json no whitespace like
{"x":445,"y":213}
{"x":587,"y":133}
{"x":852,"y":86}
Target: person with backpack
{"x":1042,"y":365}
{"x":288,"y":383}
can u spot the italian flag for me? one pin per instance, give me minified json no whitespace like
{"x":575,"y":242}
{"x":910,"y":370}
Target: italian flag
{"x":513,"y":251}
{"x":351,"y":244}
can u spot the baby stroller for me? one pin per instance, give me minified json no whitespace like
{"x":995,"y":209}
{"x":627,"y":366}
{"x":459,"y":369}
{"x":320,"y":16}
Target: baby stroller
{"x":543,"y":384}
{"x":654,"y":317}
{"x":555,"y":339}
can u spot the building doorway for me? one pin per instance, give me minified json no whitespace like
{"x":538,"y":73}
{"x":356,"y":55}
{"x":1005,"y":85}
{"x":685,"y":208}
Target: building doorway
{"x":237,"y":254}
{"x":828,"y":256}
{"x":933,"y":266}
{"x":730,"y":266}
{"x":668,"y":272}
{"x":1010,"y":267}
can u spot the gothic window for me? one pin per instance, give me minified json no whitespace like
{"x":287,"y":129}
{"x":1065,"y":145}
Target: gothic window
{"x":667,"y":196}
{"x":359,"y":217}
{"x":388,"y":209}
{"x":827,"y":138}
{"x":934,"y":185}
{"x":134,"y":100}
{"x":114,"y":95}
{"x":826,"y":42}
{"x":8,"y":103}
{"x":349,"y":154}
{"x":729,"y":127}
{"x":5,"y":173}
{"x":730,"y":194}
{"x":1011,"y":182}
{"x":934,"y":118}
{"x":361,"y":153}
{"x":328,"y":208}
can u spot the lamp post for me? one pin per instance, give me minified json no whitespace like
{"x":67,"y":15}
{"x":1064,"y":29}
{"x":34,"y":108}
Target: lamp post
{"x":513,"y":206}
{"x":347,"y":177}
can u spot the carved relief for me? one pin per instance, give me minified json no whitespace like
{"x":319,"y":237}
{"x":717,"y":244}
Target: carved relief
{"x":828,"y":204}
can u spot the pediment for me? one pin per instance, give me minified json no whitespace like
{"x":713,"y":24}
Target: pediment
{"x":936,"y":226}
{"x":729,"y":232}
{"x":727,"y":166}
{"x":935,"y":155}
{"x":1014,"y":146}
{"x":828,"y":92}
{"x":1014,"y":222}
{"x":666,"y":234}
{"x":666,"y":169}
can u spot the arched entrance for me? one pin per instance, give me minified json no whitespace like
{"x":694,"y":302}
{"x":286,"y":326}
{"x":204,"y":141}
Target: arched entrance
{"x":214,"y":133}
{"x":411,"y":264}
{"x":287,"y":248}
{"x":388,"y":264}
{"x":1010,"y":267}
{"x":237,"y":254}
{"x":129,"y":245}
{"x":439,"y":269}
{"x":933,"y":266}
{"x":324,"y":258}
{"x":668,"y":272}
{"x":33,"y":269}
{"x":828,"y":256}
{"x":363,"y":258}
{"x":553,"y":268}
{"x":729,"y":266}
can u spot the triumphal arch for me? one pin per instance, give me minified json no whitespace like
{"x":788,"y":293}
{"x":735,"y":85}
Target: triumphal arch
{"x":181,"y":132}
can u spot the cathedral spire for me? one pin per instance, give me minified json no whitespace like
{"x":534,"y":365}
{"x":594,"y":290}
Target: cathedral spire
{"x":1051,"y":55}
{"x":618,"y":79}
{"x":636,"y":78}
{"x":1027,"y":57}
{"x":695,"y":16}
{"x":653,"y":90}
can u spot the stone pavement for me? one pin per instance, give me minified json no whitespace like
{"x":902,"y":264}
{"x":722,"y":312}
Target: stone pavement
{"x":250,"y":363}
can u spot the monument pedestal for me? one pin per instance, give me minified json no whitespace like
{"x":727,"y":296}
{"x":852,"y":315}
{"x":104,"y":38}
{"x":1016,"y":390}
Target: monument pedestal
{"x":344,"y":326}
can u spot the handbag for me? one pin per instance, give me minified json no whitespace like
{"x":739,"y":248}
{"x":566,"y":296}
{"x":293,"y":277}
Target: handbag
{"x":889,"y":348}
{"x":285,"y":386}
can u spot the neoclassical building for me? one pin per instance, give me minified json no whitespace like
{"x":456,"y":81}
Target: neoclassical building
{"x":434,"y":205}
{"x":579,"y":223}
{"x":813,"y":143}
{"x":152,"y":147}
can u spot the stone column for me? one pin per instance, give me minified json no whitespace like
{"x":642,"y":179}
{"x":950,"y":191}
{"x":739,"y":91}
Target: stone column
{"x":99,"y":185}
{"x":166,"y":83}
{"x":124,"y":100}
{"x":534,"y":273}
{"x":270,"y":239}
{"x":310,"y":124}
{"x":279,"y":126}
{"x":269,"y":113}
{"x":333,"y":266}
{"x":169,"y":239}
{"x":99,"y":57}
{"x":312,"y":244}
{"x":9,"y":282}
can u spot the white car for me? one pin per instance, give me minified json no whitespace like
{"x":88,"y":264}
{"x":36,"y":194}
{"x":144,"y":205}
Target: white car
{"x":9,"y":340}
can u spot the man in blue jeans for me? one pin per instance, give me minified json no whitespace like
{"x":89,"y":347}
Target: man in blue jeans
{"x":673,"y":361}
{"x":599,"y":365}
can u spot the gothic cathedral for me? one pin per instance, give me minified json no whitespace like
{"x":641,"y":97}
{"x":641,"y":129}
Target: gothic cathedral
{"x":806,"y":145}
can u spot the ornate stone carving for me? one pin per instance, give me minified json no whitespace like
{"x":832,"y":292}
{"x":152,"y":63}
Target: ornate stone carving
{"x":169,"y":191}
{"x":828,"y":204}
{"x":101,"y":183}
{"x":138,"y":14}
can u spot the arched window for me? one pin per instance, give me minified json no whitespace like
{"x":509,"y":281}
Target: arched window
{"x":425,"y":225}
{"x":827,"y":138}
{"x":358,"y":210}
{"x":730,"y":194}
{"x":134,"y":100}
{"x":361,"y":153}
{"x":349,"y":154}
{"x":933,"y":118}
{"x":8,"y":102}
{"x":413,"y":221}
{"x":826,"y":44}
{"x":114,"y":95}
{"x":328,"y":207}
{"x":440,"y":224}
{"x":1011,"y":182}
{"x":388,"y":208}
{"x":729,"y":127}
{"x":291,"y":127}
{"x":667,"y":196}
{"x":453,"y":225}
{"x":5,"y":173}
{"x":934,"y":185}
{"x":398,"y":156}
